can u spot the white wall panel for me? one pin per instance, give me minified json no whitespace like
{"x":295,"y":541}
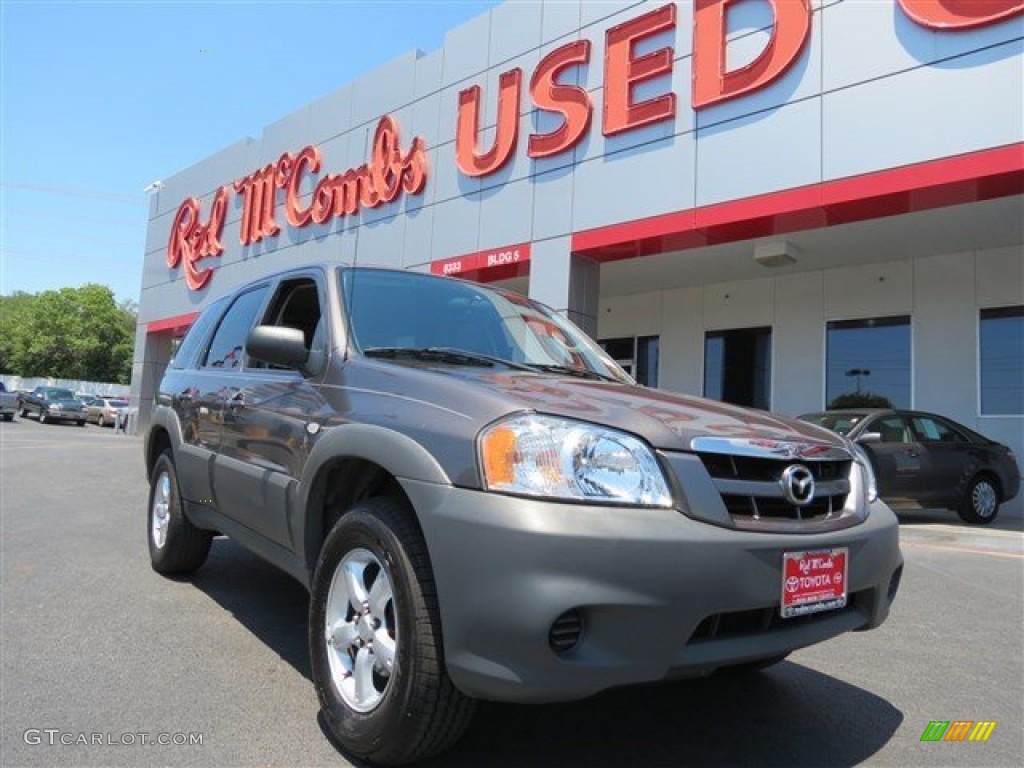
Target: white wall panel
{"x":741,"y":304}
{"x":873,"y":290}
{"x":760,"y":153}
{"x":681,"y":347}
{"x":798,"y":344}
{"x":1001,"y":277}
{"x":972,"y":103}
{"x":639,"y":314}
{"x":945,"y":336}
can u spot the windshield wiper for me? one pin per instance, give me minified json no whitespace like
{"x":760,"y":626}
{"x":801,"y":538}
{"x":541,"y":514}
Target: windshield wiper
{"x":444,"y":355}
{"x":583,"y":373}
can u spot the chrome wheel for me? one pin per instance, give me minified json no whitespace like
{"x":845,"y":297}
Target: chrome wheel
{"x":984,"y":499}
{"x":361,"y":629}
{"x":160,"y":515}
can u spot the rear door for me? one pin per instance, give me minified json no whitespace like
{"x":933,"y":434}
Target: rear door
{"x":220,"y":366}
{"x":950,"y":457}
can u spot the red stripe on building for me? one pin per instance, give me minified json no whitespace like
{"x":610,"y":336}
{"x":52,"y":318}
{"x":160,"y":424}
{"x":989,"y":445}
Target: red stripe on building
{"x":968,"y":178}
{"x":176,"y":323}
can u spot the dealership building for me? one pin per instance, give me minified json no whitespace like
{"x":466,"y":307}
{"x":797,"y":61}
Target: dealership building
{"x":770,"y":202}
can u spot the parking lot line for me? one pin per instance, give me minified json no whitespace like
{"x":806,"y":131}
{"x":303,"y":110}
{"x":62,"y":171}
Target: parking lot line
{"x":965,"y":550}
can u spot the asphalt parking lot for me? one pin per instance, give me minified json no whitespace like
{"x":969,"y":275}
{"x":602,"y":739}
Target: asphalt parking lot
{"x":94,"y":642}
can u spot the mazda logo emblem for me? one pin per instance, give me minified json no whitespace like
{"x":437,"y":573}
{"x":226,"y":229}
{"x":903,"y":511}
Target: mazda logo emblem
{"x":798,"y":485}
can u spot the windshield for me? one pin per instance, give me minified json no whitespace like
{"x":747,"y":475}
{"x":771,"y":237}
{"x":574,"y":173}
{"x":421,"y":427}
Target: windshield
{"x":837,"y":422}
{"x":391,"y":310}
{"x":117,"y":403}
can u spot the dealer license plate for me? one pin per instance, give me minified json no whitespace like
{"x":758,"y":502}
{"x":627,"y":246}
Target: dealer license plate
{"x":813,"y":581}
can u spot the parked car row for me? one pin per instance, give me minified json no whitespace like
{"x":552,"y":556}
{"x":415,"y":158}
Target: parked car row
{"x":56,"y":404}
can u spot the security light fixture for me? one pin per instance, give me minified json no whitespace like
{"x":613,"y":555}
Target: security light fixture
{"x":775,"y":254}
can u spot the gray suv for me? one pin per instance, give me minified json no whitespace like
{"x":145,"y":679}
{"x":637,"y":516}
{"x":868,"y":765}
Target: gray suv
{"x":483,"y":505}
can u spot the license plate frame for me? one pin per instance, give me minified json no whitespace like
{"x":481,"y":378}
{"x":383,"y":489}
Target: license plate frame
{"x":814,"y":581}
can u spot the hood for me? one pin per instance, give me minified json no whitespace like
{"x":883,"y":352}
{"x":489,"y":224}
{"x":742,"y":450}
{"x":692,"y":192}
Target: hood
{"x":666,"y":420}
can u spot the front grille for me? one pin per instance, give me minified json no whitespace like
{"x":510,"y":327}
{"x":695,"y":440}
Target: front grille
{"x":752,"y":491}
{"x":756,"y":508}
{"x":727,"y":465}
{"x":759,"y":621}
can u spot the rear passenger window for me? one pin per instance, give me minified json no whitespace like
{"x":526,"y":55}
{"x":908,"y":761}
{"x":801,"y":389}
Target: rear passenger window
{"x":936,"y":431}
{"x":197,"y":335}
{"x":228,"y":346}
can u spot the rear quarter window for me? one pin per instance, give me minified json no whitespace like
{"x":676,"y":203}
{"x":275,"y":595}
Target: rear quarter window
{"x":195,"y":340}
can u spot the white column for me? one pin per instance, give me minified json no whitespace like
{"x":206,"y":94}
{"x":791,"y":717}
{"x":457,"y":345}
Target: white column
{"x":566,"y":282}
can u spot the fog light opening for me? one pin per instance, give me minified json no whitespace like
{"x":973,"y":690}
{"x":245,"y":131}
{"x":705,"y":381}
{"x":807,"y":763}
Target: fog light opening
{"x":566,"y":631}
{"x":894,"y":584}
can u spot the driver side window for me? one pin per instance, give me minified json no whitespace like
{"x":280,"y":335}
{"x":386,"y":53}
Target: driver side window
{"x":893,"y":429}
{"x":296,"y":304}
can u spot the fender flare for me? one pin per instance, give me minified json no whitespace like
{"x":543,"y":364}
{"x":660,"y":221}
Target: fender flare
{"x":165,"y":418}
{"x":396,"y":453}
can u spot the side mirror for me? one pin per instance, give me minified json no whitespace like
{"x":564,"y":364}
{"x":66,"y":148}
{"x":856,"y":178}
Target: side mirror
{"x":870,"y":437}
{"x":278,"y":345}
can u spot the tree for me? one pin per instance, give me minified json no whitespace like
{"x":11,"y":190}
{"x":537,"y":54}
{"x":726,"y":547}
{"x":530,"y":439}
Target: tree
{"x":860,"y":400}
{"x":72,"y":333}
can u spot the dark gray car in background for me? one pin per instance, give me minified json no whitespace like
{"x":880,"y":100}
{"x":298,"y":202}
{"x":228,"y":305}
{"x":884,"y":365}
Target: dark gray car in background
{"x":51,"y":404}
{"x":484,"y":506}
{"x":924,"y":460}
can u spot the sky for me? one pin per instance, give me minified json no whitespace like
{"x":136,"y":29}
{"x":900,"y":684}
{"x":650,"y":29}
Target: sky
{"x":99,"y":99}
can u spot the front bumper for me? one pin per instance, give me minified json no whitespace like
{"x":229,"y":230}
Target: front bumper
{"x":646,"y":582}
{"x":65,"y":415}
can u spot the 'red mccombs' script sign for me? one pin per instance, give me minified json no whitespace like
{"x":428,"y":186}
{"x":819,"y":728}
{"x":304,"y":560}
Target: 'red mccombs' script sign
{"x":389,"y":172}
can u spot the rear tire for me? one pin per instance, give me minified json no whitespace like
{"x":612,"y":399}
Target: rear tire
{"x":80,"y":423}
{"x":980,"y":504}
{"x":375,"y":640}
{"x":9,"y":416}
{"x":175,"y":545}
{"x":24,"y":413}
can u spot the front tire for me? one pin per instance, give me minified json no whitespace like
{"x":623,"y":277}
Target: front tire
{"x":9,"y":417}
{"x":24,"y":413}
{"x":980,"y":504}
{"x":100,"y":422}
{"x":44,"y":417}
{"x":375,"y":640}
{"x":175,"y":545}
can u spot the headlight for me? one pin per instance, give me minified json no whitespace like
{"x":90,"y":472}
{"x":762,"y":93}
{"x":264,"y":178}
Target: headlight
{"x":870,"y":483}
{"x":558,"y":458}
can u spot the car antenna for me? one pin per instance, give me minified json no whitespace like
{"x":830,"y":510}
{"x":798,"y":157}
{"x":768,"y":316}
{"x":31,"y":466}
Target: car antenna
{"x":355,"y":255}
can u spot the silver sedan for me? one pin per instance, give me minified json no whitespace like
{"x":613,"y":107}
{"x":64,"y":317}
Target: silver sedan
{"x":104,"y":410}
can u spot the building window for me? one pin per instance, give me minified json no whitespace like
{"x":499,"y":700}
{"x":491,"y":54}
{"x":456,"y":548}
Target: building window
{"x":737,"y":366}
{"x":1002,"y":361}
{"x":868,"y":363}
{"x":637,"y":355}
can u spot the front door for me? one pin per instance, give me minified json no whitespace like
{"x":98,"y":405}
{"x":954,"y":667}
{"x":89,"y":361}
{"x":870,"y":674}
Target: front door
{"x":267,"y":412}
{"x":900,"y":460}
